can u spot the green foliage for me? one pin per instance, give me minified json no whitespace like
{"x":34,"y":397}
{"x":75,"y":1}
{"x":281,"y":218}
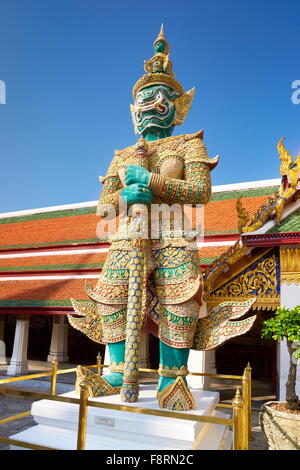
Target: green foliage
{"x":285,"y":324}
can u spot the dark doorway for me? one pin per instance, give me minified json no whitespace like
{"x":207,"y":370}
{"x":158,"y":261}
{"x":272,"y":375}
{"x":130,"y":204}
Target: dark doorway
{"x":39,"y":337}
{"x":153,"y":351}
{"x":9,"y":333}
{"x":233,"y":356}
{"x":83,"y":350}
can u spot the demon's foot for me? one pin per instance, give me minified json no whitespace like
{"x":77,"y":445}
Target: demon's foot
{"x":98,"y":386}
{"x":176,"y":396}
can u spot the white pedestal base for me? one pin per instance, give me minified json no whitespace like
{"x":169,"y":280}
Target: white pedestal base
{"x":119,"y":430}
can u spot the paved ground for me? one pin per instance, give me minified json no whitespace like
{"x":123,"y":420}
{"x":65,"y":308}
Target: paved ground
{"x":10,"y":405}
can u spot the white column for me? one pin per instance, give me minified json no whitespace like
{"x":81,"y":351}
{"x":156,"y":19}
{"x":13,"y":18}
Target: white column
{"x":289,"y":297}
{"x":19,"y":364}
{"x":106,"y":360}
{"x":144,"y":352}
{"x":202,"y":362}
{"x":59,"y":340}
{"x":2,"y":343}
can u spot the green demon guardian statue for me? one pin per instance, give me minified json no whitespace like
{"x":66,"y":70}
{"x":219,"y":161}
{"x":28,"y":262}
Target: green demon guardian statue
{"x":154,"y":284}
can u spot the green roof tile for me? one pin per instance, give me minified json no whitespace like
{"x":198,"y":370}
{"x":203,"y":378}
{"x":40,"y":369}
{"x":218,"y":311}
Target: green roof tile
{"x":51,"y":267}
{"x":254,"y":192}
{"x":290,"y":224}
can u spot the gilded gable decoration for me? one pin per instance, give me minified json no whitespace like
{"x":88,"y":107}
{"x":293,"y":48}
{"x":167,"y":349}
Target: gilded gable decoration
{"x":260,"y":279}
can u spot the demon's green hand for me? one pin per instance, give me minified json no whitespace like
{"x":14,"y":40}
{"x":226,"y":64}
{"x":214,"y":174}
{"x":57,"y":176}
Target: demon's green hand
{"x":137,"y":174}
{"x":137,"y":193}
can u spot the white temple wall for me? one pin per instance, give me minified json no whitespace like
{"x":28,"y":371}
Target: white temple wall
{"x":289,"y":297}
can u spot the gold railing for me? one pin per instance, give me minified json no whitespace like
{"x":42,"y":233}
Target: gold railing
{"x":240,"y":420}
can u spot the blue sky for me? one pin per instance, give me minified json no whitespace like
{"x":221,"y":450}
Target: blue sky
{"x":69,"y":67}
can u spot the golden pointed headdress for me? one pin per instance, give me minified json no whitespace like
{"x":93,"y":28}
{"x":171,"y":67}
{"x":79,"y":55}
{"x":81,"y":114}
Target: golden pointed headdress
{"x":161,"y":37}
{"x":159,"y":72}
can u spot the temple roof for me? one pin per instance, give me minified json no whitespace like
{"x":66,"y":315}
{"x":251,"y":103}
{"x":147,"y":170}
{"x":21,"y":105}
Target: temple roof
{"x":290,"y":224}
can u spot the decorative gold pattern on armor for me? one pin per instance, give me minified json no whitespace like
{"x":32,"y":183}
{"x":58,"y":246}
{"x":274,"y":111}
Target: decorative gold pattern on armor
{"x":189,"y":147}
{"x":176,"y":397}
{"x":114,"y":367}
{"x":89,"y":321}
{"x":178,"y":323}
{"x":170,"y":165}
{"x":139,"y":269}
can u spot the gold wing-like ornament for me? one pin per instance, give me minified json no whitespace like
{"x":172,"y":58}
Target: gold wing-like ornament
{"x":182,"y":106}
{"x":221,"y":324}
{"x":89,"y":322}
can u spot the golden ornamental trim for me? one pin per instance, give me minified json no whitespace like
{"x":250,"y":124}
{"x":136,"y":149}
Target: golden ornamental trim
{"x":174,"y":372}
{"x":222,"y":270}
{"x":264,"y":303}
{"x":257,"y":281}
{"x":260,"y":281}
{"x":176,"y":397}
{"x":290,"y":260}
{"x":119,"y":368}
{"x":247,"y":223}
{"x":231,"y":256}
{"x":157,"y":79}
{"x":290,"y":265}
{"x":291,"y":278}
{"x":274,"y":205}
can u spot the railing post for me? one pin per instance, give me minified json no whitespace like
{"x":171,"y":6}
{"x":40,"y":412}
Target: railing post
{"x":82,"y":419}
{"x":238,"y":422}
{"x":248,"y":372}
{"x":53,"y":377}
{"x":245,"y":397}
{"x":99,"y":365}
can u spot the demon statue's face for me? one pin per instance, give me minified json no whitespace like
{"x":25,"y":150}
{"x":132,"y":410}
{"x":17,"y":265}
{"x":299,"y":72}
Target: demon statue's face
{"x":154,"y":109}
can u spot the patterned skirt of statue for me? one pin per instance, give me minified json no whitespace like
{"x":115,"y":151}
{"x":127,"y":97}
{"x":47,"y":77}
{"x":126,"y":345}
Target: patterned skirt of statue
{"x":173,"y":283}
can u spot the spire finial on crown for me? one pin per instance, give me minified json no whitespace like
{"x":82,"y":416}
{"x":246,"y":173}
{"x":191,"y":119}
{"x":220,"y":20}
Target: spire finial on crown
{"x":159,"y":72}
{"x":161,"y":34}
{"x":161,"y":38}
